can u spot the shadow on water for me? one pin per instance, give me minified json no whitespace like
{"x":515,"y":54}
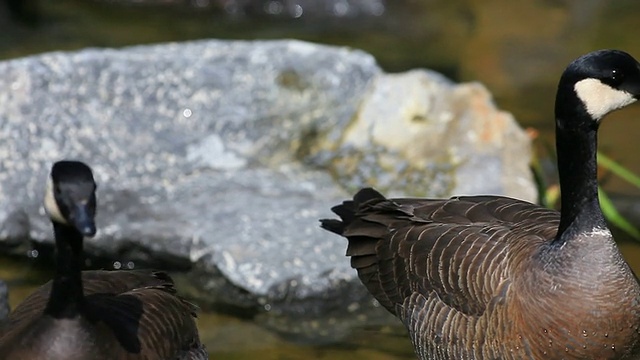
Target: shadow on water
{"x":499,"y":43}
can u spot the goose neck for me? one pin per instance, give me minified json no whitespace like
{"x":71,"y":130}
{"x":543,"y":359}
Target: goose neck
{"x":577,"y":167}
{"x":66,"y":291}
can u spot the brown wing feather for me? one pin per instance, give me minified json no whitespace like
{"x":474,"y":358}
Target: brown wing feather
{"x":149,"y":320}
{"x":97,"y":281}
{"x":436,"y":248}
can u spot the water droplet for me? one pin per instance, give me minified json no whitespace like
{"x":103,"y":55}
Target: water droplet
{"x":341,"y":8}
{"x":187,"y":113}
{"x":606,"y":334}
{"x":545,"y":331}
{"x":613,"y":347}
{"x":566,"y":349}
{"x":201,"y":3}
{"x":377,"y":10}
{"x":297,"y":11}
{"x":273,"y":7}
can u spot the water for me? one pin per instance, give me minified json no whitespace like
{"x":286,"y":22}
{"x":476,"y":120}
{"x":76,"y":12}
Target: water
{"x":229,"y":337}
{"x":517,"y":49}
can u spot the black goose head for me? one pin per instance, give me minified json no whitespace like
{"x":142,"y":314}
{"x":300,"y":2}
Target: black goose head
{"x":595,"y":84}
{"x":70,"y":198}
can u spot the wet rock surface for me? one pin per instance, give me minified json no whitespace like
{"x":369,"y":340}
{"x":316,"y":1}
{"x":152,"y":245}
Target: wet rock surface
{"x":219,"y":158}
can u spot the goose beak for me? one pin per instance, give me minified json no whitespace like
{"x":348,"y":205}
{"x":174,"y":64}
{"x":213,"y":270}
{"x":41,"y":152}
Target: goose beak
{"x":633,"y":89}
{"x":83,"y":220}
{"x":636,"y":88}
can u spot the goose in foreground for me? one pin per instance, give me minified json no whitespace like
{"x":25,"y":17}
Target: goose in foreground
{"x":489,"y":277}
{"x":96,"y":314}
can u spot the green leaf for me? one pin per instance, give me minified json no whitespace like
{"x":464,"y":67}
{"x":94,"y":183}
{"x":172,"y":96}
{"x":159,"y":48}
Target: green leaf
{"x":622,"y":172}
{"x":611,"y":213}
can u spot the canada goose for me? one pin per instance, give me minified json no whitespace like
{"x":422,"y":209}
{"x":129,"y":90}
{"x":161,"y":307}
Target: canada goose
{"x":489,"y":277}
{"x":96,"y":314}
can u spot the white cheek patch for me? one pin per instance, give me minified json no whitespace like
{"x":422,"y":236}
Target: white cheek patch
{"x":50,"y":205}
{"x":600,"y":99}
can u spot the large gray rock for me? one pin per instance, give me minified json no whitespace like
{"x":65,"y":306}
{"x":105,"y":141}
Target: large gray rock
{"x":221,"y":157}
{"x":417,"y":133}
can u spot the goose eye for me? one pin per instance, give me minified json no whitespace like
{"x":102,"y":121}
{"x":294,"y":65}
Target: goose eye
{"x":616,"y":77}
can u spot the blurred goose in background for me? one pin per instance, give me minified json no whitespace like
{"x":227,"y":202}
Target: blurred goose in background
{"x":96,"y":314}
{"x":489,"y":277}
